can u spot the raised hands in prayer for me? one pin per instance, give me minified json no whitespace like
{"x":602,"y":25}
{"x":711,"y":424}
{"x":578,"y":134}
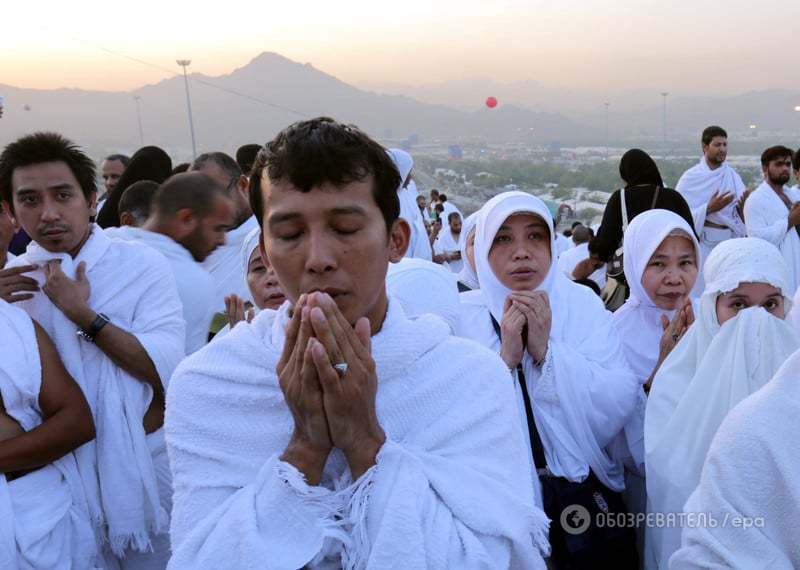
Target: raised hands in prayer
{"x":673,"y":332}
{"x":742,"y":200}
{"x":15,"y":286}
{"x":719,"y":201}
{"x":328,"y":378}
{"x":794,"y":215}
{"x":237,"y":311}
{"x":586,"y":267}
{"x":525,"y":308}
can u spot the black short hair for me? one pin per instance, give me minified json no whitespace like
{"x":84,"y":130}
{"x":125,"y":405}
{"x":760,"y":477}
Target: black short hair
{"x":310,"y":153}
{"x":713,"y":131}
{"x":442,"y":198}
{"x":224,"y":161}
{"x":438,"y":208}
{"x":137,"y":199}
{"x":45,"y":147}
{"x":775,"y":152}
{"x":180,"y":168}
{"x":574,"y":224}
{"x":123,"y":158}
{"x":796,"y":161}
{"x":451,"y":214}
{"x":193,"y":190}
{"x":246,"y":156}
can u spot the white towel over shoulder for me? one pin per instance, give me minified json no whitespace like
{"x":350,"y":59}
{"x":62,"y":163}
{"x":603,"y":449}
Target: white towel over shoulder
{"x":450,"y":488}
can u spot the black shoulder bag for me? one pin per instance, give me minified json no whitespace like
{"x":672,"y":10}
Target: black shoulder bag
{"x":576,"y":540}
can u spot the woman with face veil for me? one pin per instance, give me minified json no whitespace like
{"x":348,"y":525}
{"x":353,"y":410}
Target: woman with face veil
{"x":738,"y":341}
{"x":574,"y":389}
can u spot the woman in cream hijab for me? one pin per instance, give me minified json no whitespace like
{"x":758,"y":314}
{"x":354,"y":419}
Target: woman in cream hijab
{"x":467,"y":278}
{"x":576,"y":383}
{"x":738,"y":341}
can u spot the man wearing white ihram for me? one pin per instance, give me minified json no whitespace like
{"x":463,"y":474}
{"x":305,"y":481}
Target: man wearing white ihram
{"x":327,"y":434}
{"x":772,"y":211}
{"x":113,"y":311}
{"x":715,"y":193}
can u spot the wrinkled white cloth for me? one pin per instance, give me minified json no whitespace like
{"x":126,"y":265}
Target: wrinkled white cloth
{"x":638,"y":321}
{"x":699,"y":183}
{"x":447,"y":243}
{"x":143,"y":300}
{"x":423,"y":287}
{"x":583,"y":393}
{"x":572,"y":257}
{"x":711,"y":370}
{"x":225,"y":265}
{"x":196,"y":287}
{"x":562,"y":244}
{"x":41,"y":525}
{"x":447,"y":491}
{"x":750,"y":473}
{"x":467,"y":275}
{"x":419,"y":245}
{"x":766,"y":217}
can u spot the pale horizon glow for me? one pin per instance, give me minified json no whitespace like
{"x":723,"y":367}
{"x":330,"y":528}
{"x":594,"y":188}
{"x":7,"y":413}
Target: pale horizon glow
{"x":602,"y":46}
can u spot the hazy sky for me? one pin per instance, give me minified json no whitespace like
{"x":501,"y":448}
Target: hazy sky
{"x":715,"y":46}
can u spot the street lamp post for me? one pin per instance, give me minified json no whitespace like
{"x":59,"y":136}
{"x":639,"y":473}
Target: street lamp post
{"x":606,"y":104}
{"x":139,"y":119}
{"x":664,"y":120}
{"x":184,"y":63}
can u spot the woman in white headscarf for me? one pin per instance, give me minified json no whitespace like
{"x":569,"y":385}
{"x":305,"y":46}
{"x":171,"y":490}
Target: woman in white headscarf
{"x":467,"y":278}
{"x":662,"y":257}
{"x":261,"y":281}
{"x":575,"y":391}
{"x":738,"y":341}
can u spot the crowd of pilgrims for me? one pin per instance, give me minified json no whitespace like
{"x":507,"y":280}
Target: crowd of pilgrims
{"x":292,"y":359}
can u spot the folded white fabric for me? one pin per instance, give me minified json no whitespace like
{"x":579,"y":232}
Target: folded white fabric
{"x":448,"y":490}
{"x":116,"y":468}
{"x":41,"y":525}
{"x":711,"y":370}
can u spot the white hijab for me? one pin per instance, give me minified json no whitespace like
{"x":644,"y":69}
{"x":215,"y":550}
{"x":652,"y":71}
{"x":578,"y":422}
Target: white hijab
{"x":423,"y":287}
{"x":250,"y":244}
{"x":467,"y":275}
{"x":583,"y":353}
{"x":711,"y":370}
{"x":639,"y":319}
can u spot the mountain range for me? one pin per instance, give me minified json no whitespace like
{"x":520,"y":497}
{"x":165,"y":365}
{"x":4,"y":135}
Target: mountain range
{"x":253,"y":102}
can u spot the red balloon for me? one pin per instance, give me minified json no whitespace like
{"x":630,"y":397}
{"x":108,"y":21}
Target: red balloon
{"x":491,"y":102}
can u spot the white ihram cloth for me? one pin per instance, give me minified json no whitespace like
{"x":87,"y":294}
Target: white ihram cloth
{"x":572,"y":257}
{"x":446,"y":243}
{"x":767,"y":218}
{"x":424,"y":287}
{"x":134,"y":287}
{"x":196,"y":287}
{"x":562,"y":245}
{"x":467,"y":275}
{"x":225,"y":265}
{"x":583,"y":393}
{"x":419,"y":246}
{"x":638,"y":321}
{"x":448,"y":490}
{"x":41,"y":526}
{"x":750,"y":472}
{"x":711,"y":370}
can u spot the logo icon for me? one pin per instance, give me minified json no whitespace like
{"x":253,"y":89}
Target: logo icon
{"x":575,"y":519}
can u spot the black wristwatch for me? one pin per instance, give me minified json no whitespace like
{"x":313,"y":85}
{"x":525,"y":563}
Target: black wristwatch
{"x":97,"y":324}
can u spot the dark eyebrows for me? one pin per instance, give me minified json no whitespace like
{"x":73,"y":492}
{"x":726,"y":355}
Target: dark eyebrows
{"x":349,"y":211}
{"x":56,"y":187}
{"x":279,"y":218}
{"x":293,"y":216}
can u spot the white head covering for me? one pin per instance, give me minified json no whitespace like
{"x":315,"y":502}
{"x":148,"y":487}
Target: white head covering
{"x":467,"y":275}
{"x":639,"y":319}
{"x":583,"y":353}
{"x":249,"y":245}
{"x":424,"y":287}
{"x":403,"y":161}
{"x":711,"y":370}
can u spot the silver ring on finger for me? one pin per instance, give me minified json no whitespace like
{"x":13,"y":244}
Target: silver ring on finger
{"x":341,"y":368}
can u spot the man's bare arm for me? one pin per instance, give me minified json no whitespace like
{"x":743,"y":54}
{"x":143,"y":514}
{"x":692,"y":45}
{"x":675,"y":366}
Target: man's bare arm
{"x":67,"y":422}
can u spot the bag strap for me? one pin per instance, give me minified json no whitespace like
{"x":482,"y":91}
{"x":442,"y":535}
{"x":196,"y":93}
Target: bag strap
{"x":624,"y":211}
{"x":655,"y":197}
{"x":539,"y":461}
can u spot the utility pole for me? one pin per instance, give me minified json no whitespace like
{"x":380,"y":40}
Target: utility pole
{"x":139,"y":118}
{"x":606,"y":104}
{"x":184,"y":63}
{"x":664,"y":121}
